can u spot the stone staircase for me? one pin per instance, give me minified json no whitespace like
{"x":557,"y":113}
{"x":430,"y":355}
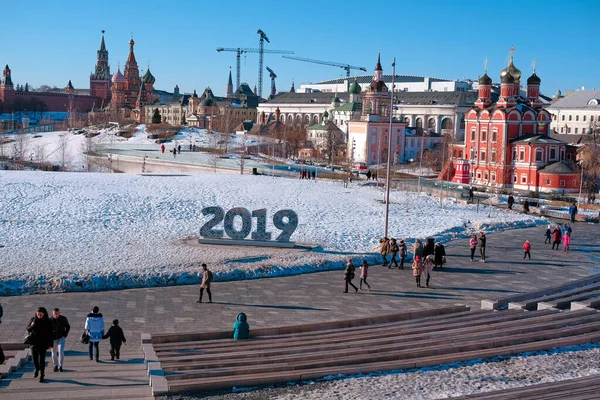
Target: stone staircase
{"x":82,"y":378}
{"x":577,"y":294}
{"x":213,"y":361}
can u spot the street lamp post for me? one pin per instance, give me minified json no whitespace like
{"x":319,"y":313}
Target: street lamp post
{"x":389,"y":157}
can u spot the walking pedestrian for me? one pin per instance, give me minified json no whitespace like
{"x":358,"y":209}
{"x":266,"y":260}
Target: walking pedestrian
{"x":207,"y":277}
{"x":369,"y":175}
{"x":566,"y":240}
{"x":482,"y":243}
{"x":573,"y":212}
{"x":427,"y":268}
{"x":179,"y":149}
{"x":349,"y":275}
{"x":94,"y":327}
{"x":384,"y":249}
{"x":40,"y":331}
{"x":556,"y":237}
{"x":418,"y":248}
{"x":439,"y":255}
{"x":471,"y":194}
{"x":417,"y":267}
{"x":526,"y":206}
{"x":403,"y":253}
{"x":116,"y":338}
{"x":162,"y":148}
{"x":314,"y":175}
{"x":61,"y":328}
{"x":174,"y":152}
{"x":394,"y":249}
{"x":473,"y":246}
{"x":511,"y":201}
{"x":526,"y":249}
{"x":548,"y":234}
{"x":566,"y":228}
{"x":364,"y":273}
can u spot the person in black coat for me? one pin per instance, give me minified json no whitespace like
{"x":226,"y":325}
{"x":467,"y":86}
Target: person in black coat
{"x":117,"y":338}
{"x":42,"y":338}
{"x":511,"y":201}
{"x":439,"y":252}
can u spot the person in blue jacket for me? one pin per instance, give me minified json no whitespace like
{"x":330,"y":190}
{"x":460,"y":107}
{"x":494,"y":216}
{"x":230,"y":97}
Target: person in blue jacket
{"x":241,"y":329}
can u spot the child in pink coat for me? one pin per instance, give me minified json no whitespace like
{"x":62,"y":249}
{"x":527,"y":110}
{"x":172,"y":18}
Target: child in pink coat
{"x":566,"y":240}
{"x":527,"y":249}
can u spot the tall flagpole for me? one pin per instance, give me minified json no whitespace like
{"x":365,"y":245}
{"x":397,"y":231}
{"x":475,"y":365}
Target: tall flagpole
{"x":389,"y":157}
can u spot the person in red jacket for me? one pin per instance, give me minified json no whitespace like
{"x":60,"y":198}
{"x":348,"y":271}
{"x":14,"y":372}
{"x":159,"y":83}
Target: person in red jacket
{"x":556,"y":237}
{"x":526,"y":249}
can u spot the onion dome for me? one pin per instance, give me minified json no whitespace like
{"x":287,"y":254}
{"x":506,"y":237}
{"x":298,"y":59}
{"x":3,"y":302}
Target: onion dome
{"x":355,"y":88}
{"x":117,"y":77}
{"x":513,"y":71}
{"x":507,"y":78}
{"x":485,"y":80}
{"x":148,"y":77}
{"x":534,"y":80}
{"x":325,"y":114}
{"x":336,"y":99}
{"x":195,"y":95}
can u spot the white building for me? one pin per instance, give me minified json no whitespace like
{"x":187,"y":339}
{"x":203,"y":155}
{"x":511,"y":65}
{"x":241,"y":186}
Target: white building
{"x":402,"y":83}
{"x":577,"y":113}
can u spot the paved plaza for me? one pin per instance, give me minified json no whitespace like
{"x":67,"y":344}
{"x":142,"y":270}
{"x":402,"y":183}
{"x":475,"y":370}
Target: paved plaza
{"x":318,"y":296}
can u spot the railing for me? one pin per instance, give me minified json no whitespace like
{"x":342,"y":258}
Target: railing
{"x":32,"y":129}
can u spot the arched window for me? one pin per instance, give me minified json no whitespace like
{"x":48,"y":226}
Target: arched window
{"x":419,"y":123}
{"x":447,"y":123}
{"x":462,"y":122}
{"x":431,"y":124}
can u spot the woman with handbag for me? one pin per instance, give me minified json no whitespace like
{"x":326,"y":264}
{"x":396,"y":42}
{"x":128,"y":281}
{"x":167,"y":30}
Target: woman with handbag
{"x":39,"y":338}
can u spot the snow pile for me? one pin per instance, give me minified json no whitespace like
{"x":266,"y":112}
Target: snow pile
{"x":73,"y":231}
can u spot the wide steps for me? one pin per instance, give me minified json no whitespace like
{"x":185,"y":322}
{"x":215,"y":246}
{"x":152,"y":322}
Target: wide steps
{"x":413,"y":343}
{"x":532,"y":304}
{"x":583,"y":388}
{"x":564,"y":303}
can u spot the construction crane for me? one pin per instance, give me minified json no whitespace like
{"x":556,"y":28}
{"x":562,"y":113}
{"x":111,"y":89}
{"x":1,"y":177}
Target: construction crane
{"x":261,"y":46}
{"x":272,"y":76}
{"x":241,"y":50}
{"x":345,"y":67}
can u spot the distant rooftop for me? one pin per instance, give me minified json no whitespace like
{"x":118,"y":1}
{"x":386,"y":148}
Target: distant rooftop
{"x":362,"y":79}
{"x":579,"y":99}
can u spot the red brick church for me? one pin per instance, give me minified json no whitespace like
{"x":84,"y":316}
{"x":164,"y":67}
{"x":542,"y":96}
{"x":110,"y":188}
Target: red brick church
{"x":507,"y":142}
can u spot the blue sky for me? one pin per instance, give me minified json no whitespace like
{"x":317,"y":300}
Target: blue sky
{"x":50,"y":42}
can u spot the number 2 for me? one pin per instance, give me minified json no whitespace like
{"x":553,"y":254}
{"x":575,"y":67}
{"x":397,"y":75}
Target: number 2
{"x":207,"y":229}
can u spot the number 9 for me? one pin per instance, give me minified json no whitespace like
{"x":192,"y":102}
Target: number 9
{"x":287,"y":228}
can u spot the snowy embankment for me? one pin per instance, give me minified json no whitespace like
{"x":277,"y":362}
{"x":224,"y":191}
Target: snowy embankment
{"x":76,"y":231}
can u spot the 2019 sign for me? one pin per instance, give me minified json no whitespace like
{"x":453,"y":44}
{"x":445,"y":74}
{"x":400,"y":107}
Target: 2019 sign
{"x":284,"y":220}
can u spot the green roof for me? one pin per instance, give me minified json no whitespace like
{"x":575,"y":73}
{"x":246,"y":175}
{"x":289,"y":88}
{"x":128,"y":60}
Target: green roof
{"x":351,"y":106}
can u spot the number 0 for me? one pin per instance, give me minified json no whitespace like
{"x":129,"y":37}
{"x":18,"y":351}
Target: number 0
{"x":246,"y":223}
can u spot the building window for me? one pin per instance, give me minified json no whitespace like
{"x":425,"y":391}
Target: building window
{"x":562,"y":182}
{"x":522,"y":155}
{"x":584,"y":118}
{"x":548,"y":182}
{"x":570,"y":117}
{"x":493,"y":177}
{"x":591,"y":118}
{"x":514,"y":154}
{"x":482,"y":155}
{"x":563,"y":118}
{"x":576,"y":130}
{"x":539,"y":153}
{"x":569,"y":129}
{"x":493,"y":156}
{"x":483,"y":136}
{"x":486,"y":176}
{"x":577,"y":118}
{"x":479,"y":175}
{"x":568,"y":156}
{"x":562,"y":129}
{"x":553,"y":154}
{"x":374,"y":139}
{"x":514,"y":179}
{"x":523,"y":178}
{"x":494,"y":136}
{"x":583,"y":131}
{"x":473,"y":135}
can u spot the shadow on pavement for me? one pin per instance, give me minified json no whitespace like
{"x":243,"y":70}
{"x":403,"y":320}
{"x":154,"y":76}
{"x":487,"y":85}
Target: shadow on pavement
{"x":269,"y":306}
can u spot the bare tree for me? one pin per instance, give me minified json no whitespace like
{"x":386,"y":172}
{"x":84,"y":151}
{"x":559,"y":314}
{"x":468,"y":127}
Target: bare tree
{"x":40,"y":152}
{"x":87,"y":150}
{"x":333,"y":140}
{"x":63,"y":150}
{"x":21,"y":146}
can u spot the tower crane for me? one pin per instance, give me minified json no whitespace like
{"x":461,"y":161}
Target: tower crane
{"x":261,"y":46}
{"x":241,"y":50}
{"x":272,"y":76}
{"x":345,"y":67}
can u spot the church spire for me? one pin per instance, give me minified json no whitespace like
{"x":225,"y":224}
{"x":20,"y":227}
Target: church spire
{"x":292,"y":89}
{"x":131,"y":58}
{"x":102,"y":45}
{"x":229,"y":85}
{"x":378,"y":66}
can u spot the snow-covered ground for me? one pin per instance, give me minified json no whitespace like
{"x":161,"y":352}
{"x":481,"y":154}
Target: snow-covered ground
{"x":76,"y":231}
